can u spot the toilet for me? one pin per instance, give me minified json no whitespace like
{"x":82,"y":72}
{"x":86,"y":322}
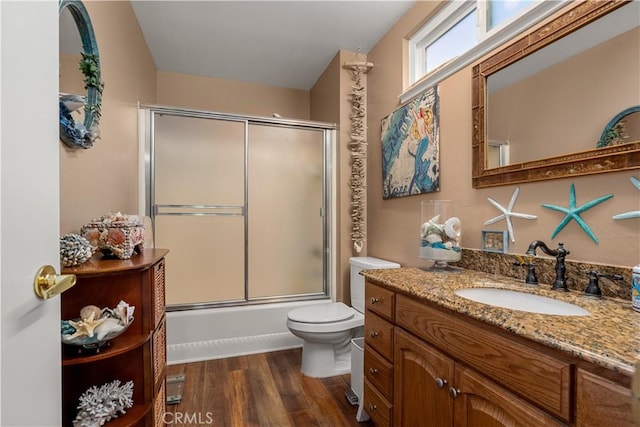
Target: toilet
{"x":327,"y":329}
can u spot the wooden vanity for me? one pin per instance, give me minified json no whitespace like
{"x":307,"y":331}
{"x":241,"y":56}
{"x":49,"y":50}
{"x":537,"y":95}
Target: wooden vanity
{"x":428,"y":363}
{"x":139,"y":354}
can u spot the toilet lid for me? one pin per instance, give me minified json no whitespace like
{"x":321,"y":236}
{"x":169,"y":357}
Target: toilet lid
{"x":323,"y":313}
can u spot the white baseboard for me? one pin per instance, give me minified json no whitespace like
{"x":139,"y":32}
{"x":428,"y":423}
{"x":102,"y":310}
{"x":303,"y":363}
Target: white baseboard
{"x":230,"y":347}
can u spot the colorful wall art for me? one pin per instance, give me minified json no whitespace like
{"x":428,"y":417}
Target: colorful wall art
{"x":410,"y":148}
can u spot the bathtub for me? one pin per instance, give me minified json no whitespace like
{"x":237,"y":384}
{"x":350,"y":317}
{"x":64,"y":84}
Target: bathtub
{"x":216,"y":333}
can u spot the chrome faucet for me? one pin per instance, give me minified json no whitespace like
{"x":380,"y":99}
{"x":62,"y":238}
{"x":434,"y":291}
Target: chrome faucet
{"x":560,"y":283}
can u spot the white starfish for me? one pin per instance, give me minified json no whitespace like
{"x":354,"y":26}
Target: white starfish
{"x":632,"y":214}
{"x":507,"y":213}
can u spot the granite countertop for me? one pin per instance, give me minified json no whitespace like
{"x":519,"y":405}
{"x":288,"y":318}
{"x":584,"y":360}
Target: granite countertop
{"x":609,"y":336}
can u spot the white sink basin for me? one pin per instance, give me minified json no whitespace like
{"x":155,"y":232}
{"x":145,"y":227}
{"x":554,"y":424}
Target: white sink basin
{"x":521,"y":301}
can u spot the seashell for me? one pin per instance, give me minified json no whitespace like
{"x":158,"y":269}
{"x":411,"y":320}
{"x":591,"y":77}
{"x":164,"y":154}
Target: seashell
{"x":453,"y":228}
{"x":90,"y":312}
{"x":109,"y":325}
{"x":124,"y":312}
{"x":431,"y":227}
{"x":433,"y":238}
{"x":74,"y":250}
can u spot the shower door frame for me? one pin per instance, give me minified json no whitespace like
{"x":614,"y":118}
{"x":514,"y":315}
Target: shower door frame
{"x":149,"y":208}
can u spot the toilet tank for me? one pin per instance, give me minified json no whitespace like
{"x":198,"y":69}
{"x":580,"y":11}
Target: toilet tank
{"x":357,"y":281}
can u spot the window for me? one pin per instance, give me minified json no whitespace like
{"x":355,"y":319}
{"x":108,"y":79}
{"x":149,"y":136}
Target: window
{"x":463,"y":31}
{"x":498,"y":12}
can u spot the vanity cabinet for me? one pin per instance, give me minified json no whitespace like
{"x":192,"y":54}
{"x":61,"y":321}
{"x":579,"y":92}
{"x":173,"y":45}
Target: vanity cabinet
{"x":431,"y":386}
{"x":378,"y":354}
{"x":536,"y":376}
{"x":138,"y":354}
{"x":442,"y":369}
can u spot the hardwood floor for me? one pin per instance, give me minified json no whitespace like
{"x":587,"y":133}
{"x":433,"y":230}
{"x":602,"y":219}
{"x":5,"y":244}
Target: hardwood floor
{"x":265,"y":389}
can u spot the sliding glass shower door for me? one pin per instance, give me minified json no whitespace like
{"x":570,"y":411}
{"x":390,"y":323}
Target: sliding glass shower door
{"x":241,"y":203}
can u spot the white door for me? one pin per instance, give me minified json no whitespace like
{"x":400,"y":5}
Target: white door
{"x":30,"y":374}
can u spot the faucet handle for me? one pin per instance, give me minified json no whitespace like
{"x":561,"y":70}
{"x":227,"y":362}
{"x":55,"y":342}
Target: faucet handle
{"x":561,"y":251}
{"x":531,"y":279}
{"x":593,"y":288}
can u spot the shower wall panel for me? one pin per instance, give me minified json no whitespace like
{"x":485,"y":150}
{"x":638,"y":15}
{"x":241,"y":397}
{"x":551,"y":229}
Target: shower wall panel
{"x":199,"y":204}
{"x":285,"y":211}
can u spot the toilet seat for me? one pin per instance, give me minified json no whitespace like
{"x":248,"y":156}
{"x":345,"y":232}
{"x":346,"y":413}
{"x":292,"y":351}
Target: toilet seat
{"x":322,"y":313}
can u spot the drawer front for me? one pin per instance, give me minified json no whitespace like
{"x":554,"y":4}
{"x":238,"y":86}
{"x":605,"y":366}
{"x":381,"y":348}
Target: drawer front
{"x":158,"y":292}
{"x":379,"y":372}
{"x":159,"y":353}
{"x":378,"y":334}
{"x":378,"y":408}
{"x":379,"y":300}
{"x":543,"y":379}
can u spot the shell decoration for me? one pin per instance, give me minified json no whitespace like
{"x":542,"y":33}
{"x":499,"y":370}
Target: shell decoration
{"x":74,"y":250}
{"x":95,"y":325}
{"x":116,"y":234}
{"x":441,"y":235}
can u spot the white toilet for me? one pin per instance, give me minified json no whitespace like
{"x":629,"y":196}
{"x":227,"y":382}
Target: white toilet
{"x":327,"y":328}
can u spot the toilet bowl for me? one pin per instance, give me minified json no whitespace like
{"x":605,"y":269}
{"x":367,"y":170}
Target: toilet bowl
{"x":328,"y":328}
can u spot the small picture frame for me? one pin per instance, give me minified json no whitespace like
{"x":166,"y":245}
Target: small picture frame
{"x":495,"y":241}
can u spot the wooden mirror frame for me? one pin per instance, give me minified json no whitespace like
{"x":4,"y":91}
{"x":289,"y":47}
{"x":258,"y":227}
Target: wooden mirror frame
{"x":593,"y":161}
{"x":76,"y":135}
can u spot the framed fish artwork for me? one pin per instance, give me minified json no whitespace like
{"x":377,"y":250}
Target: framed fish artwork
{"x":410,"y":148}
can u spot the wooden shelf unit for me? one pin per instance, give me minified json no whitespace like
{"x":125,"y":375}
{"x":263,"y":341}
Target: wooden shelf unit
{"x":138,"y":354}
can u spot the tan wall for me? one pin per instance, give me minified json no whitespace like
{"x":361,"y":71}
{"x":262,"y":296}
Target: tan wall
{"x":393,"y":225}
{"x":330,"y":102}
{"x":228,"y":96}
{"x":104,"y":177}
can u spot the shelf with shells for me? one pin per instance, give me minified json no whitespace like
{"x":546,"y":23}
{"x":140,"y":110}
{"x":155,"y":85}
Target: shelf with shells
{"x":95,"y":330}
{"x":125,"y":346}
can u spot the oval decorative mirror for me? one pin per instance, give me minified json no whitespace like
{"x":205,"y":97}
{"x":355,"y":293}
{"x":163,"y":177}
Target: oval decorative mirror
{"x":542,"y":105}
{"x":623,"y":128}
{"x":83,"y":130}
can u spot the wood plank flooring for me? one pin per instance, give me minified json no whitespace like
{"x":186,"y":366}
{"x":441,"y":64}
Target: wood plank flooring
{"x":265,"y":389}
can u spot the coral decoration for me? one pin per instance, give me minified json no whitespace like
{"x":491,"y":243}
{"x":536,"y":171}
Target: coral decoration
{"x":99,"y":405}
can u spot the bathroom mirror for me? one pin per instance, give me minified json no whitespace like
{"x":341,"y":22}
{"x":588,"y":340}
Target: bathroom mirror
{"x":541,"y":104}
{"x":80,"y":112}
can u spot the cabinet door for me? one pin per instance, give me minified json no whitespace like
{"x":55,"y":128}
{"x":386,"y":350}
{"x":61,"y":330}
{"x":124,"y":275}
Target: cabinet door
{"x":601,"y":402}
{"x":479,"y":402}
{"x":422,"y":379}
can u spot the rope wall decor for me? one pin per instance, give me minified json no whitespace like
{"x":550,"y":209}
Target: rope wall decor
{"x":358,"y":147}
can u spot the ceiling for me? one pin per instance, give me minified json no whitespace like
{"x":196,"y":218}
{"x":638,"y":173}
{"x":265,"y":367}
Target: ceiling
{"x":280,"y":43}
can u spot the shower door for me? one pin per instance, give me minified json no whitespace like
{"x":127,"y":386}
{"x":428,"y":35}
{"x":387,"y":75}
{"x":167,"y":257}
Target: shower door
{"x":240,"y":203}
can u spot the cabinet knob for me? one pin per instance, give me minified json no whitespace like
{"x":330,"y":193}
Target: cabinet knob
{"x":373,"y":371}
{"x":440,"y":382}
{"x":372,"y":407}
{"x":374,"y":300}
{"x":373,"y":334}
{"x":454,"y":392}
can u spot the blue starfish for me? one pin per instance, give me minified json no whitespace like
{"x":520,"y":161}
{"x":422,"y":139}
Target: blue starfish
{"x":572,"y":212}
{"x":631,"y":214}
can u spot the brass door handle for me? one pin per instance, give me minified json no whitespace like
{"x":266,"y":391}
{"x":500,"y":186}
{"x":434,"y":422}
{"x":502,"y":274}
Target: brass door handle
{"x":48,"y":283}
